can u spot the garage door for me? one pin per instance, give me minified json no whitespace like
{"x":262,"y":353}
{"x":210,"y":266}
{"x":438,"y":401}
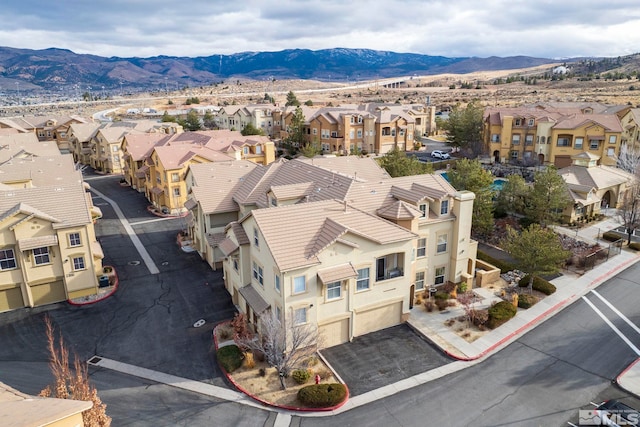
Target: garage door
{"x":378,"y":318}
{"x":11,"y":299}
{"x":48,"y":293}
{"x":334,"y":333}
{"x":562,"y":161}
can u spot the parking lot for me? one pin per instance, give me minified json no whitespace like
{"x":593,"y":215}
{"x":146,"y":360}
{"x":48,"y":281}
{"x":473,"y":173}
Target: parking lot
{"x":384,"y":357}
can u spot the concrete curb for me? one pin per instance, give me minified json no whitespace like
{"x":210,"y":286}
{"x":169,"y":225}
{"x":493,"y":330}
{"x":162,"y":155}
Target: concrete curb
{"x":116,"y":282}
{"x":265,"y":402}
{"x":543,"y":316}
{"x":619,"y":379}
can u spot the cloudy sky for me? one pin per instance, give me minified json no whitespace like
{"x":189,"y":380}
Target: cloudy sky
{"x":453,"y":28}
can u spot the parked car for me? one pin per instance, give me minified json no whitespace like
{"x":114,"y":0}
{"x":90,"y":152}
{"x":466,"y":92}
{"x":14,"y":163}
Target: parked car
{"x":439,"y":154}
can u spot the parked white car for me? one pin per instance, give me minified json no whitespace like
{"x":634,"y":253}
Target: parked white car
{"x":439,"y":154}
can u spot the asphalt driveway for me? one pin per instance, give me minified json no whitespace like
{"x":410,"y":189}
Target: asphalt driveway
{"x":383,"y":357}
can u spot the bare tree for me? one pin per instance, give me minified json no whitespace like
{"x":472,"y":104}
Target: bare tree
{"x":284,"y":348}
{"x":68,"y":384}
{"x":629,"y":158}
{"x":629,"y":210}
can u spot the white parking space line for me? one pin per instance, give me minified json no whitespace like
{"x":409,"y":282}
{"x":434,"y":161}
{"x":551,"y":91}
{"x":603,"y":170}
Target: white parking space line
{"x":153,"y":269}
{"x":616,"y":311}
{"x":612,"y":326}
{"x":146,"y":221}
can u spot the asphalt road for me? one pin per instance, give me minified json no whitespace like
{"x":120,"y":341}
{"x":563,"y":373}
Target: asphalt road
{"x":542,"y":379}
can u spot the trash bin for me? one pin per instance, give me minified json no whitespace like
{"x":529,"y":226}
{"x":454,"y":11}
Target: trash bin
{"x":103,"y":281}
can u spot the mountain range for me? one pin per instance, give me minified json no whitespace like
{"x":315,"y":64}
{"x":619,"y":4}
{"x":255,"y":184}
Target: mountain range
{"x":26,"y":69}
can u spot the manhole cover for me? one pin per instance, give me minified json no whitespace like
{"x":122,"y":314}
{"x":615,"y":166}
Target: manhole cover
{"x":134,"y":263}
{"x":199,"y":323}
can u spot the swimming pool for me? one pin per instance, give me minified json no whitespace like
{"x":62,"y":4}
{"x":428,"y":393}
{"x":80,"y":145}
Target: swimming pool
{"x":498,"y":183}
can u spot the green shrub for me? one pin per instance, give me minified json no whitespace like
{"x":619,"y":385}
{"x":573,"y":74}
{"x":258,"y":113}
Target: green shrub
{"x":301,"y":376}
{"x":610,"y":236}
{"x":526,"y":300}
{"x":635,"y":246}
{"x":441,"y":295}
{"x":229,"y":357}
{"x":500,"y":313}
{"x":539,"y":284}
{"x":442,"y":304}
{"x":322,"y":395}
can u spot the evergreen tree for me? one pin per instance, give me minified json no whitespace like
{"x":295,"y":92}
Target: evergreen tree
{"x":537,"y":250}
{"x":548,"y":197}
{"x":292,"y":100}
{"x":471,"y":176}
{"x":464,"y":127}
{"x":296,"y":134}
{"x":397,"y":163}
{"x":250,"y":129}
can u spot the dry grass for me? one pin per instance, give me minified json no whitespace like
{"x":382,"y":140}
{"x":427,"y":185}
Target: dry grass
{"x":268,"y":387}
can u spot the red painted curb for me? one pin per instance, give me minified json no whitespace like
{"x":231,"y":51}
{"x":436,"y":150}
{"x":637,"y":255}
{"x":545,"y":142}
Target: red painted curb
{"x":267,"y":403}
{"x":116,"y":282}
{"x":625,"y":370}
{"x":536,"y":320}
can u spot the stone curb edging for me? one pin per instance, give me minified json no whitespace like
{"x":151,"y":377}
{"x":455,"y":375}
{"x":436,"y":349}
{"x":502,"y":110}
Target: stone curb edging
{"x":267,"y":403}
{"x":116,"y":282}
{"x":540,"y":317}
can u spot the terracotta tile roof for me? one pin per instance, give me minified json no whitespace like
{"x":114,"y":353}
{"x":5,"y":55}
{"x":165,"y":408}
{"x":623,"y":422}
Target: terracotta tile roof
{"x":67,"y":204}
{"x":228,"y":246}
{"x":41,"y":171}
{"x":610,"y":122}
{"x":599,"y":177}
{"x":399,"y":211}
{"x":37,"y":242}
{"x":175,"y":156}
{"x":215,"y":183}
{"x":320,"y":224}
{"x":292,"y":191}
{"x":25,"y":145}
{"x":214,"y":239}
{"x":83,"y":132}
{"x":140,"y":146}
{"x":10,"y":124}
{"x":338,"y":272}
{"x":361,"y":168}
{"x":142,"y":171}
{"x":157,"y":190}
{"x":238,"y":231}
{"x":25,"y":209}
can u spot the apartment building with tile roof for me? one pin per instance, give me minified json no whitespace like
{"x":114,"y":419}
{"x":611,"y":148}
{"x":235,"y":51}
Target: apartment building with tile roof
{"x":553,"y":133}
{"x":364,"y":245}
{"x":49,"y":127}
{"x":24,"y":146}
{"x":48,"y":247}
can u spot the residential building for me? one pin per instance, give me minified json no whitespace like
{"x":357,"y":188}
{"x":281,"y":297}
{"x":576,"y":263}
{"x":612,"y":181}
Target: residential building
{"x":81,"y":136}
{"x":25,"y":146}
{"x":237,"y":117}
{"x":329,"y":244}
{"x":630,"y":121}
{"x":593,"y":187}
{"x":47,"y":128}
{"x":19,"y":409}
{"x":552,"y":133}
{"x":48,"y":247}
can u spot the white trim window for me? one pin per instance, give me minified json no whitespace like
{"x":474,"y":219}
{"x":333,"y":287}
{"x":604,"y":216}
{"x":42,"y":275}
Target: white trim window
{"x":258,"y":273}
{"x":439,"y":276}
{"x":362,"y":283}
{"x":74,"y":239}
{"x":7,"y":259}
{"x":256,"y":238}
{"x":41,"y":256}
{"x":444,"y":207}
{"x":442,"y":244}
{"x":299,"y":285}
{"x":421,"y":250}
{"x":78,"y":263}
{"x":300,"y":316}
{"x":578,"y":143}
{"x":419,"y":281}
{"x":276,"y":283}
{"x":423,"y":209}
{"x":334,"y":290}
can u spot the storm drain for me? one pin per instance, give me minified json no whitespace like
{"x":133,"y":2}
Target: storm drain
{"x":94,"y":360}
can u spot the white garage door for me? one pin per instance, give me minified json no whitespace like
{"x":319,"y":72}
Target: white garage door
{"x":378,"y":318}
{"x":48,"y":293}
{"x":334,"y":333}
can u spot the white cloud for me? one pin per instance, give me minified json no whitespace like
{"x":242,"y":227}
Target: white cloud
{"x":545,"y":28}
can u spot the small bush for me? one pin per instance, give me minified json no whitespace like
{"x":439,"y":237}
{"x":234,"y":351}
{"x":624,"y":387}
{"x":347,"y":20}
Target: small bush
{"x":429,"y":305}
{"x":526,"y":300}
{"x":480,"y":317}
{"x":229,"y":357}
{"x":322,"y":395}
{"x":634,"y":245}
{"x":442,"y":304}
{"x":262,"y":372}
{"x":499,"y":313}
{"x":249,"y":361}
{"x":610,"y":236}
{"x":301,"y":376}
{"x":539,"y":284}
{"x":225,"y":333}
{"x":441,"y":295}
